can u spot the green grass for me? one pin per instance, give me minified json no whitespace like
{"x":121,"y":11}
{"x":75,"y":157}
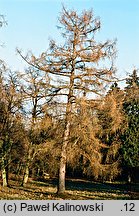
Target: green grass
{"x":76,"y":189}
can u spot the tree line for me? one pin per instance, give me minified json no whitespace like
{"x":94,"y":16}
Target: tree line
{"x":65,"y":114}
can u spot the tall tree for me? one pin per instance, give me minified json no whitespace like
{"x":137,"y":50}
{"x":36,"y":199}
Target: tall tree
{"x":78,"y":65}
{"x":130,"y":138}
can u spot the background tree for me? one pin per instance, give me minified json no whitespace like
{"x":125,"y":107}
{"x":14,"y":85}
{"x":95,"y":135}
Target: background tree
{"x":130,"y":138}
{"x":35,"y":87}
{"x":112,"y":120}
{"x":78,"y":66}
{"x":10,"y":120}
{"x":84,"y":148}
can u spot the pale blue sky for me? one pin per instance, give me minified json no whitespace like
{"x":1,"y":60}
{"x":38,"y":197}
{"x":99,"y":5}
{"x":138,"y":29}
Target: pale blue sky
{"x":32,"y":22}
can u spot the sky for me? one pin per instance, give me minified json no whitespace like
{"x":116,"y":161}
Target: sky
{"x":31,"y":23}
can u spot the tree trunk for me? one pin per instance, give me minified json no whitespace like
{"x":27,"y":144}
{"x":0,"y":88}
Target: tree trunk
{"x":26,"y":172}
{"x":18,"y":170}
{"x":62,"y":169}
{"x":26,"y":175}
{"x":4,"y":173}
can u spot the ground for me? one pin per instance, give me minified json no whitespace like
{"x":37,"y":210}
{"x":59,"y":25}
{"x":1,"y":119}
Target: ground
{"x":76,"y":189}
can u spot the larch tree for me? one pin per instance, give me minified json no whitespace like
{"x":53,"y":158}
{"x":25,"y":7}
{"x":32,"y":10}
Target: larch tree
{"x":35,"y":87}
{"x":94,"y":146}
{"x":112,"y":122}
{"x":82,"y":66}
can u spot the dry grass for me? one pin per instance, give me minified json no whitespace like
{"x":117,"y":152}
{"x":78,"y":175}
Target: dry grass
{"x":75,"y":190}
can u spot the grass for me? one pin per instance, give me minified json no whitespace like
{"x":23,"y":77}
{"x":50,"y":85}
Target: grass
{"x":76,"y":189}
